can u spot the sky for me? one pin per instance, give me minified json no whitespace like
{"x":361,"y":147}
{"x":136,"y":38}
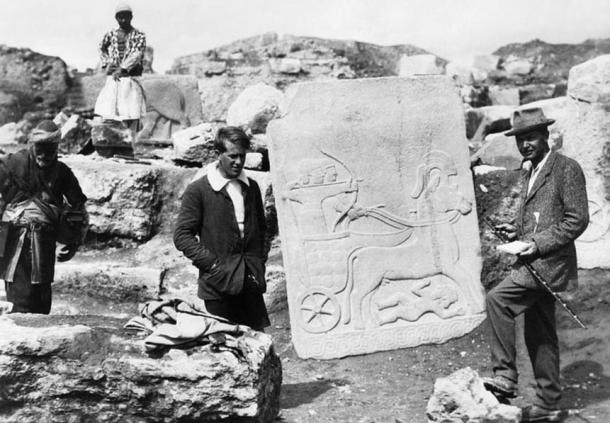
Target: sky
{"x":453,"y":29}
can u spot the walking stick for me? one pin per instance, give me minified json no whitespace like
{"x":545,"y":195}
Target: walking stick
{"x":537,"y":277}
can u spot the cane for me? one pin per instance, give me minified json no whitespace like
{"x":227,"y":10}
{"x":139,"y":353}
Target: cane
{"x":537,"y":277}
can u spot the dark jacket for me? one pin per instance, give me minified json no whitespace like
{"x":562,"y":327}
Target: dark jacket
{"x":209,"y":215}
{"x":559,"y":195}
{"x":22,"y":179}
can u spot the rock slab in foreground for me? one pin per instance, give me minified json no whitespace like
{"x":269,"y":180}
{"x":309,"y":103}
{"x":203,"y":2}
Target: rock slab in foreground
{"x":381,"y":250}
{"x":91,"y":370}
{"x":462,"y":398}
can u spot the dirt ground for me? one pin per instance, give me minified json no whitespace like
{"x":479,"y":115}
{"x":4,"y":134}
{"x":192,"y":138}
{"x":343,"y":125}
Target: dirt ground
{"x":395,"y":386}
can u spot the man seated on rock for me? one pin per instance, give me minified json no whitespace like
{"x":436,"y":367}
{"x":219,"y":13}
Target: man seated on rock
{"x":552,"y":215}
{"x":221,"y":229}
{"x":41,"y":202}
{"x":122,"y":55}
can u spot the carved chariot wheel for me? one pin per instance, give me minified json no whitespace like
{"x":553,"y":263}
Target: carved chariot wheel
{"x":318,"y":310}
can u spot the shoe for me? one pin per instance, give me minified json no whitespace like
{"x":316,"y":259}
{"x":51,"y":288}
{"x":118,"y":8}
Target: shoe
{"x":500,"y":387}
{"x":536,"y":413}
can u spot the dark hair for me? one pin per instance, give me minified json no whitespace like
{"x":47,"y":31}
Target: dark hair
{"x":231,"y":134}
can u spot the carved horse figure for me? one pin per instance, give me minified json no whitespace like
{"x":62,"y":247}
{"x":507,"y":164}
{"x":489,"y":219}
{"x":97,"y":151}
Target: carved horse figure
{"x":439,"y":205}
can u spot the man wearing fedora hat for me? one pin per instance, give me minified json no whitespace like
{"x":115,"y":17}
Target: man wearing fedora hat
{"x":552,"y":214}
{"x":37,"y":192}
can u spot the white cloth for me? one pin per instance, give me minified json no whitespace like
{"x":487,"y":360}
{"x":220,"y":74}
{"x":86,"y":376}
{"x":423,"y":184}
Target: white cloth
{"x":536,"y":172}
{"x":218,"y":182}
{"x":120,"y":100}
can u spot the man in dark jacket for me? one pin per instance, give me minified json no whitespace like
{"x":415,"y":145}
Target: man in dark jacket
{"x":37,"y":192}
{"x":553,"y":213}
{"x":221,"y":229}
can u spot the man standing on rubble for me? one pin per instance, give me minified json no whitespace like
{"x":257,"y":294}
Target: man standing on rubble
{"x":122,"y":56}
{"x":221,"y":229}
{"x":41,"y":202}
{"x":553,"y":213}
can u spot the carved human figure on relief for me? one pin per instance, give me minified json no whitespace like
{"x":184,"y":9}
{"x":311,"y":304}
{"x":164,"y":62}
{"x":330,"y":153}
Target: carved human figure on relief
{"x":325,"y":199}
{"x":432,"y":250}
{"x":423,"y":297}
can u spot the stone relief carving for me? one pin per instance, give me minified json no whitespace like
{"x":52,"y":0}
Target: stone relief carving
{"x":340,"y":288}
{"x":599,"y":223}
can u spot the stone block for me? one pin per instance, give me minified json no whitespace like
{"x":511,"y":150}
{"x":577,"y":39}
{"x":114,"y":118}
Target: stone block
{"x":196,"y":144}
{"x":461,"y":397}
{"x":122,"y":198}
{"x":88,"y":368}
{"x":487,"y":120}
{"x":287,"y":65}
{"x":8,"y":133}
{"x":381,"y":251}
{"x":498,"y":150}
{"x":419,"y":64}
{"x":504,"y":96}
{"x":255,"y":107}
{"x":587,"y":140}
{"x":461,"y":73}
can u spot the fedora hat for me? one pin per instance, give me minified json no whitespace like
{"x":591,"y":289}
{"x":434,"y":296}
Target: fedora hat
{"x":526,"y":120}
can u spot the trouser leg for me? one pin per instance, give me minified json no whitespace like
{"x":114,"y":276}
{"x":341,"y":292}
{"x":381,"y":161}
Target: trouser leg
{"x":504,"y":303}
{"x":25,"y":296}
{"x":542,"y":346}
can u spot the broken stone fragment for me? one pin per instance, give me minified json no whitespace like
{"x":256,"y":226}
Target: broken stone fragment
{"x":462,"y":398}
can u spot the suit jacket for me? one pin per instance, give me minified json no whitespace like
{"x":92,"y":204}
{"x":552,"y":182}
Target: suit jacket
{"x":207,"y":233}
{"x":559,"y":198}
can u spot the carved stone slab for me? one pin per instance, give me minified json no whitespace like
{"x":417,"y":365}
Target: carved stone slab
{"x":376,"y":209}
{"x":587,"y":140}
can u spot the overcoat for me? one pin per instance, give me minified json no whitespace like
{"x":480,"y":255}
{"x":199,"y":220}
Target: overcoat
{"x":553,"y":214}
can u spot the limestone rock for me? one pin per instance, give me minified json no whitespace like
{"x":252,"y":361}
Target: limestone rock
{"x":500,"y":151}
{"x":122,"y":198}
{"x":474,"y":96}
{"x":535,"y":92}
{"x":517,"y":66}
{"x":110,"y":138}
{"x":590,"y":81}
{"x":461,"y":73}
{"x":255,"y":107}
{"x":551,"y":62}
{"x":586,"y":139}
{"x":486,"y":120}
{"x":290,"y":65}
{"x":8,"y":133}
{"x":39,"y":82}
{"x":254,"y":161}
{"x":486,"y":62}
{"x":196,"y":144}
{"x":75,"y":133}
{"x":419,"y":64}
{"x":462,"y":398}
{"x":10,"y":109}
{"x":345,"y":228}
{"x":90,"y":369}
{"x":504,"y":96}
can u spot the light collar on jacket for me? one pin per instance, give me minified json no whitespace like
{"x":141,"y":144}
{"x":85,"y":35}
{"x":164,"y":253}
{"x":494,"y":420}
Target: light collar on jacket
{"x":217,"y":181}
